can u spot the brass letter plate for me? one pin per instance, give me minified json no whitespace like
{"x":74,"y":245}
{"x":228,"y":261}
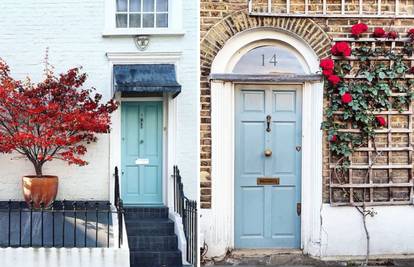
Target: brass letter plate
{"x":268,"y":181}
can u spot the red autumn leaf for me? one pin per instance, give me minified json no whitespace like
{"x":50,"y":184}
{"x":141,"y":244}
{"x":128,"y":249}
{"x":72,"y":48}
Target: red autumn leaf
{"x":346,"y":98}
{"x":53,"y":119}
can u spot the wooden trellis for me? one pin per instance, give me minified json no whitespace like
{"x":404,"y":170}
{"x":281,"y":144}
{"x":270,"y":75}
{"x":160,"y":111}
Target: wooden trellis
{"x":332,"y":8}
{"x":389,"y":180}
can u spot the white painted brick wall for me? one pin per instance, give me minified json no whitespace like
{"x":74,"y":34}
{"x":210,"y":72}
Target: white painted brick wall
{"x":72,"y":29}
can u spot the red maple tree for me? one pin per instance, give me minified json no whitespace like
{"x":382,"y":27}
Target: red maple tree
{"x":53,"y":119}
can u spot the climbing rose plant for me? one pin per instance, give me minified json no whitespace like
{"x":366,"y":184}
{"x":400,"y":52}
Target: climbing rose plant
{"x":358,"y":29}
{"x":53,"y":119}
{"x":357,"y":102}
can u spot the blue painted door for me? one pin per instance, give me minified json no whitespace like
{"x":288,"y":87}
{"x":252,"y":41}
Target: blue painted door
{"x":267,"y":118}
{"x":141,"y":153}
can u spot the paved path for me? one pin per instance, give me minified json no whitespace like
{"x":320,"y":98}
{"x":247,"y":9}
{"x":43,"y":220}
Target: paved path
{"x":290,"y":258}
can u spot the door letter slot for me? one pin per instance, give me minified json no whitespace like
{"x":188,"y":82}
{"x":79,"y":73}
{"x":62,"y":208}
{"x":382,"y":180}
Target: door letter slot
{"x":268,"y":181}
{"x":142,"y":161}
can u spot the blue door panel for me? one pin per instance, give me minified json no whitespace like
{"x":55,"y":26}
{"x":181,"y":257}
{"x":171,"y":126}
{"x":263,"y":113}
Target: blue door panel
{"x":141,"y":153}
{"x":265,"y":215}
{"x":251,"y":151}
{"x":284,"y":220}
{"x":283,"y":200}
{"x":283,"y":143}
{"x":252,"y":198}
{"x":132,"y":185}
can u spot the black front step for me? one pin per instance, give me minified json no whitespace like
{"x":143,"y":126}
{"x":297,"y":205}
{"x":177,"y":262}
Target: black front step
{"x":146,"y":213}
{"x":156,"y":258}
{"x":151,"y":237}
{"x":152,"y":243}
{"x":144,"y":227}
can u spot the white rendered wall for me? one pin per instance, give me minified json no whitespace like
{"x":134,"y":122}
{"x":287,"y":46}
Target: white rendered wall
{"x":67,"y":257}
{"x":72,"y":30}
{"x":390,"y":230}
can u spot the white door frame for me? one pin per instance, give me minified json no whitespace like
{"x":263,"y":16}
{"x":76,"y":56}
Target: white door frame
{"x":169,"y":117}
{"x":219,"y":221}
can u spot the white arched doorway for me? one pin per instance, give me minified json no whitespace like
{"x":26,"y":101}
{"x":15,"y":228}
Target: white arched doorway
{"x":235,"y":66}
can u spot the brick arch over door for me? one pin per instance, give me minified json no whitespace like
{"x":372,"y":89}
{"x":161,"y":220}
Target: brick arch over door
{"x":214,"y":40}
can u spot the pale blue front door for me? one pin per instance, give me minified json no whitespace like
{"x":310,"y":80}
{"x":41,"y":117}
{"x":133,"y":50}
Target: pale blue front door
{"x":141,"y":157}
{"x":267,"y":187}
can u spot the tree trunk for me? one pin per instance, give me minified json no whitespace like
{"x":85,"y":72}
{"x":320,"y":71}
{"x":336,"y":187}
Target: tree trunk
{"x":38,"y":169}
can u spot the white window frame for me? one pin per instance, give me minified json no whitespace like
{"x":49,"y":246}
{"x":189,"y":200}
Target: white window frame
{"x":154,"y":12}
{"x":343,"y":13}
{"x":175,"y":22}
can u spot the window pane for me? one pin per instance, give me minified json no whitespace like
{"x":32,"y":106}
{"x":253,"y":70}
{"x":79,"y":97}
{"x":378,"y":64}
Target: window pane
{"x":135,"y":5}
{"x":148,"y":21}
{"x":121,"y":21}
{"x":162,"y":20}
{"x":270,"y":59}
{"x":121,"y":5}
{"x":135,"y":21}
{"x":148,"y":5}
{"x":162,"y":5}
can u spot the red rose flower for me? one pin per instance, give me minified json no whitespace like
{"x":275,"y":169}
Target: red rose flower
{"x":334,"y":138}
{"x":381,"y":121}
{"x":327,"y":72}
{"x":379,"y":32}
{"x":341,"y":49}
{"x":334,"y":80}
{"x":346,"y":98}
{"x":392,"y":35}
{"x":411,"y":34}
{"x":327,"y":64}
{"x":358,"y":29}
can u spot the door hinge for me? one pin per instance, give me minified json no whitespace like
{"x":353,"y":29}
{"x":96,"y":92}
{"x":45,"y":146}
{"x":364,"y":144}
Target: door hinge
{"x":299,"y":208}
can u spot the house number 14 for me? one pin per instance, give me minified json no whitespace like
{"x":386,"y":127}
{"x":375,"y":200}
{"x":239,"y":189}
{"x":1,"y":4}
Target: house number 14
{"x":272,"y":60}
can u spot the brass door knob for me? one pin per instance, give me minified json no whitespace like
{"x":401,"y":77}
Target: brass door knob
{"x":268,"y":152}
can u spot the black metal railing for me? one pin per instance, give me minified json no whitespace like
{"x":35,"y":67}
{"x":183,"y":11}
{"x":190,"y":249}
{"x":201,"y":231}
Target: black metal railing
{"x":119,"y":205}
{"x":187,"y":209}
{"x":63,"y":224}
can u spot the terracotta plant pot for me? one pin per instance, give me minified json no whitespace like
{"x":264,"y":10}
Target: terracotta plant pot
{"x":41,"y":189}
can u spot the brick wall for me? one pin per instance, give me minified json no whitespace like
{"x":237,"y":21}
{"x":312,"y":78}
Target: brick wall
{"x":222,"y":19}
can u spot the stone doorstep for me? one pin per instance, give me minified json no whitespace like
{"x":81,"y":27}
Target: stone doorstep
{"x":295,"y":257}
{"x":264,"y":252}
